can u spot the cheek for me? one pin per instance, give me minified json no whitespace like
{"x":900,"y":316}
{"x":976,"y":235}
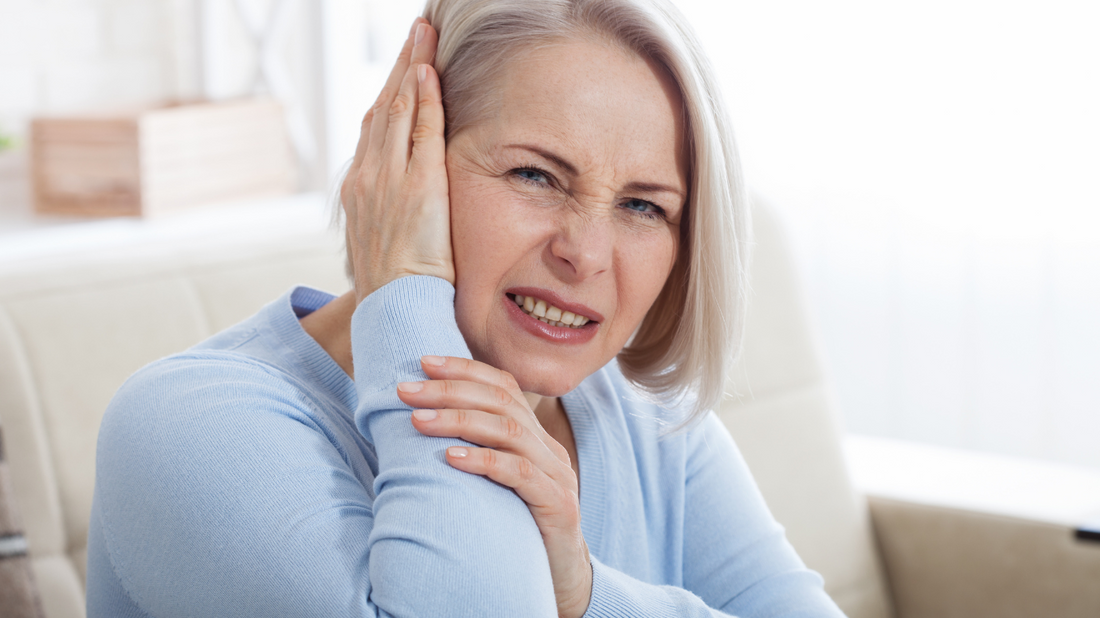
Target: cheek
{"x":482,"y":230}
{"x":472,"y":234}
{"x":492,"y":241}
{"x":647,"y":265}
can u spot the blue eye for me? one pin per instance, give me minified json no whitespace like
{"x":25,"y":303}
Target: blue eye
{"x":532,"y":175}
{"x":644,"y":208}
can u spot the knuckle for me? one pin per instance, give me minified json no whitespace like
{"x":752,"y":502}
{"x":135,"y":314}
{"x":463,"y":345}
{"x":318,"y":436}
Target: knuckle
{"x":422,"y":133}
{"x":508,"y":381}
{"x":571,"y":515}
{"x":502,"y":396}
{"x":400,"y":105}
{"x":426,"y":99}
{"x":359,"y":189}
{"x":367,"y":118}
{"x":513,"y":430}
{"x":490,"y":459}
{"x":382,"y":104}
{"x":525,"y":470}
{"x":462,"y":418}
{"x":572,"y":500}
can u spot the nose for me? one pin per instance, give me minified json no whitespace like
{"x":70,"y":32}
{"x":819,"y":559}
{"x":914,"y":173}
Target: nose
{"x":582,"y":247}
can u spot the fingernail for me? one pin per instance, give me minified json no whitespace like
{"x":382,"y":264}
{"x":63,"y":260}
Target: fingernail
{"x":458,"y":452}
{"x":412,"y":28}
{"x":425,"y":415}
{"x":410,"y":387}
{"x":436,"y":361}
{"x":420,"y":30}
{"x":421,"y":73}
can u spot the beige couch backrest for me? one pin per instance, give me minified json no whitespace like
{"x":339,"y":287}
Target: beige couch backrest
{"x":782,"y":416}
{"x":73,"y":330}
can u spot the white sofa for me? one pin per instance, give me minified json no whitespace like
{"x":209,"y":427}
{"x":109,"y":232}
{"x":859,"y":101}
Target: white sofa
{"x":74,"y":325}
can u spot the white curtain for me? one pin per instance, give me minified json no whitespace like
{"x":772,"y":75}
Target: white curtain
{"x":937,"y":162}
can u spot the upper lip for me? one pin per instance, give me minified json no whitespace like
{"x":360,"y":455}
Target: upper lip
{"x":557,"y":301}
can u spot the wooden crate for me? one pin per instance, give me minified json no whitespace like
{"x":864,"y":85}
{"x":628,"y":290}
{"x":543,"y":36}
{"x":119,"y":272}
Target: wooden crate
{"x":160,"y":160}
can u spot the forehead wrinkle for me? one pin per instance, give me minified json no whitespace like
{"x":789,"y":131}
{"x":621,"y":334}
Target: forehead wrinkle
{"x":595,"y":129}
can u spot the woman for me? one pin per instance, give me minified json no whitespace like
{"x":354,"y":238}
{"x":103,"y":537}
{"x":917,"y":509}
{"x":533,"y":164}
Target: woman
{"x":575,"y":208}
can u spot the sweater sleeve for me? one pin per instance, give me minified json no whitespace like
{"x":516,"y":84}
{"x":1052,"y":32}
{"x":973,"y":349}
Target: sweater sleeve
{"x":473,"y":540}
{"x":737,"y":560}
{"x":220,"y":491}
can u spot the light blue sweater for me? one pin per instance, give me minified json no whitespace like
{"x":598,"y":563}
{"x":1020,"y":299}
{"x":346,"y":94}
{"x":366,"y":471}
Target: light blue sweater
{"x":250,"y":476}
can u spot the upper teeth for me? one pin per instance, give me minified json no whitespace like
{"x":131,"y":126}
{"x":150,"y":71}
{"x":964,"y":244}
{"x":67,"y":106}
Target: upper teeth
{"x":549,"y":313}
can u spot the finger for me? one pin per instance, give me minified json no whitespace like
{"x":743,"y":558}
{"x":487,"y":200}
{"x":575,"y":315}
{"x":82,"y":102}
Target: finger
{"x":550,"y":503}
{"x":364,"y":127}
{"x":461,"y":395}
{"x":423,"y":53}
{"x":380,"y":116}
{"x":421,"y":50}
{"x":457,"y":368}
{"x":353,"y":169}
{"x":398,"y":142}
{"x":364,"y":139}
{"x":494,"y":431}
{"x":429,"y":150}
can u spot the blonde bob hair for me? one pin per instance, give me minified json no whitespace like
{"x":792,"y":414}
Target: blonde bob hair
{"x":681,"y":350}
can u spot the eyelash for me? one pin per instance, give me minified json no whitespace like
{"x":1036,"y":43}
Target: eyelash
{"x":658,"y":212}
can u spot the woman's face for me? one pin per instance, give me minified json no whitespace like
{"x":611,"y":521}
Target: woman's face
{"x":572,"y":193}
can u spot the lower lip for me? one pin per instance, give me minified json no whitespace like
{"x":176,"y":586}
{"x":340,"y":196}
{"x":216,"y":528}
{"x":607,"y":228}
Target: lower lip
{"x":557,"y":334}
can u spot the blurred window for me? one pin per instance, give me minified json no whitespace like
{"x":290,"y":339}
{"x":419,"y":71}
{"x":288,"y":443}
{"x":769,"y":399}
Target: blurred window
{"x":937,"y":162}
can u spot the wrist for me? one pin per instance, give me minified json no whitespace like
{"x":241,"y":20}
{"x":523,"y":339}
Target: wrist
{"x":577,"y":605}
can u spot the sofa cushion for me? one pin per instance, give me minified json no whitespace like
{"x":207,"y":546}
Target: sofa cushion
{"x":18,"y":594}
{"x":73,"y":331}
{"x":781,"y":414}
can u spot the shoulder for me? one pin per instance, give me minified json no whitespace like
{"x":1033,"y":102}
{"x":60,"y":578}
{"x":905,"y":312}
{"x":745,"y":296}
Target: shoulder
{"x":193,"y":385}
{"x":210,"y":466}
{"x":201,"y":410}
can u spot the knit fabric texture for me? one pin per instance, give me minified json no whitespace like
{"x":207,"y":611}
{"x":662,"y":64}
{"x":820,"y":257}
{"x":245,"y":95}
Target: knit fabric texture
{"x":250,"y":476}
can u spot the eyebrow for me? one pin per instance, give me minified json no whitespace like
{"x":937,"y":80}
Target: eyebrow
{"x":640,"y":187}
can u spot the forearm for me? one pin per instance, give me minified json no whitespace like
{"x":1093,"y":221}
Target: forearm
{"x":474,"y":540}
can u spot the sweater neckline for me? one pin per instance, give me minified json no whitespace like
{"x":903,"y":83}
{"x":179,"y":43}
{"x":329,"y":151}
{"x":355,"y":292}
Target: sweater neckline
{"x":283,"y":317}
{"x":590,"y":462}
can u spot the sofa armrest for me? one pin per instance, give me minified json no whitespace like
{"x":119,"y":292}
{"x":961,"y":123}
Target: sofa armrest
{"x":968,"y":534}
{"x":943,"y":562}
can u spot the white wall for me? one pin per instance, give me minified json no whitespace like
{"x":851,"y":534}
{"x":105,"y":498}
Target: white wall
{"x":79,"y":56}
{"x":360,"y":44}
{"x":59,"y":56}
{"x":937,"y":162}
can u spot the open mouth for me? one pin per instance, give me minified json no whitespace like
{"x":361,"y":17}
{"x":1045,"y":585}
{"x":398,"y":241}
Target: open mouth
{"x":549,"y":314}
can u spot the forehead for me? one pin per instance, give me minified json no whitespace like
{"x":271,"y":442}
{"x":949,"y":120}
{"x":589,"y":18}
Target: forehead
{"x":600,"y":105}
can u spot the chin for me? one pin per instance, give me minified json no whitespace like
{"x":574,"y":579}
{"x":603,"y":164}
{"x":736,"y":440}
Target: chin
{"x":547,"y":388}
{"x":545,"y":379}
